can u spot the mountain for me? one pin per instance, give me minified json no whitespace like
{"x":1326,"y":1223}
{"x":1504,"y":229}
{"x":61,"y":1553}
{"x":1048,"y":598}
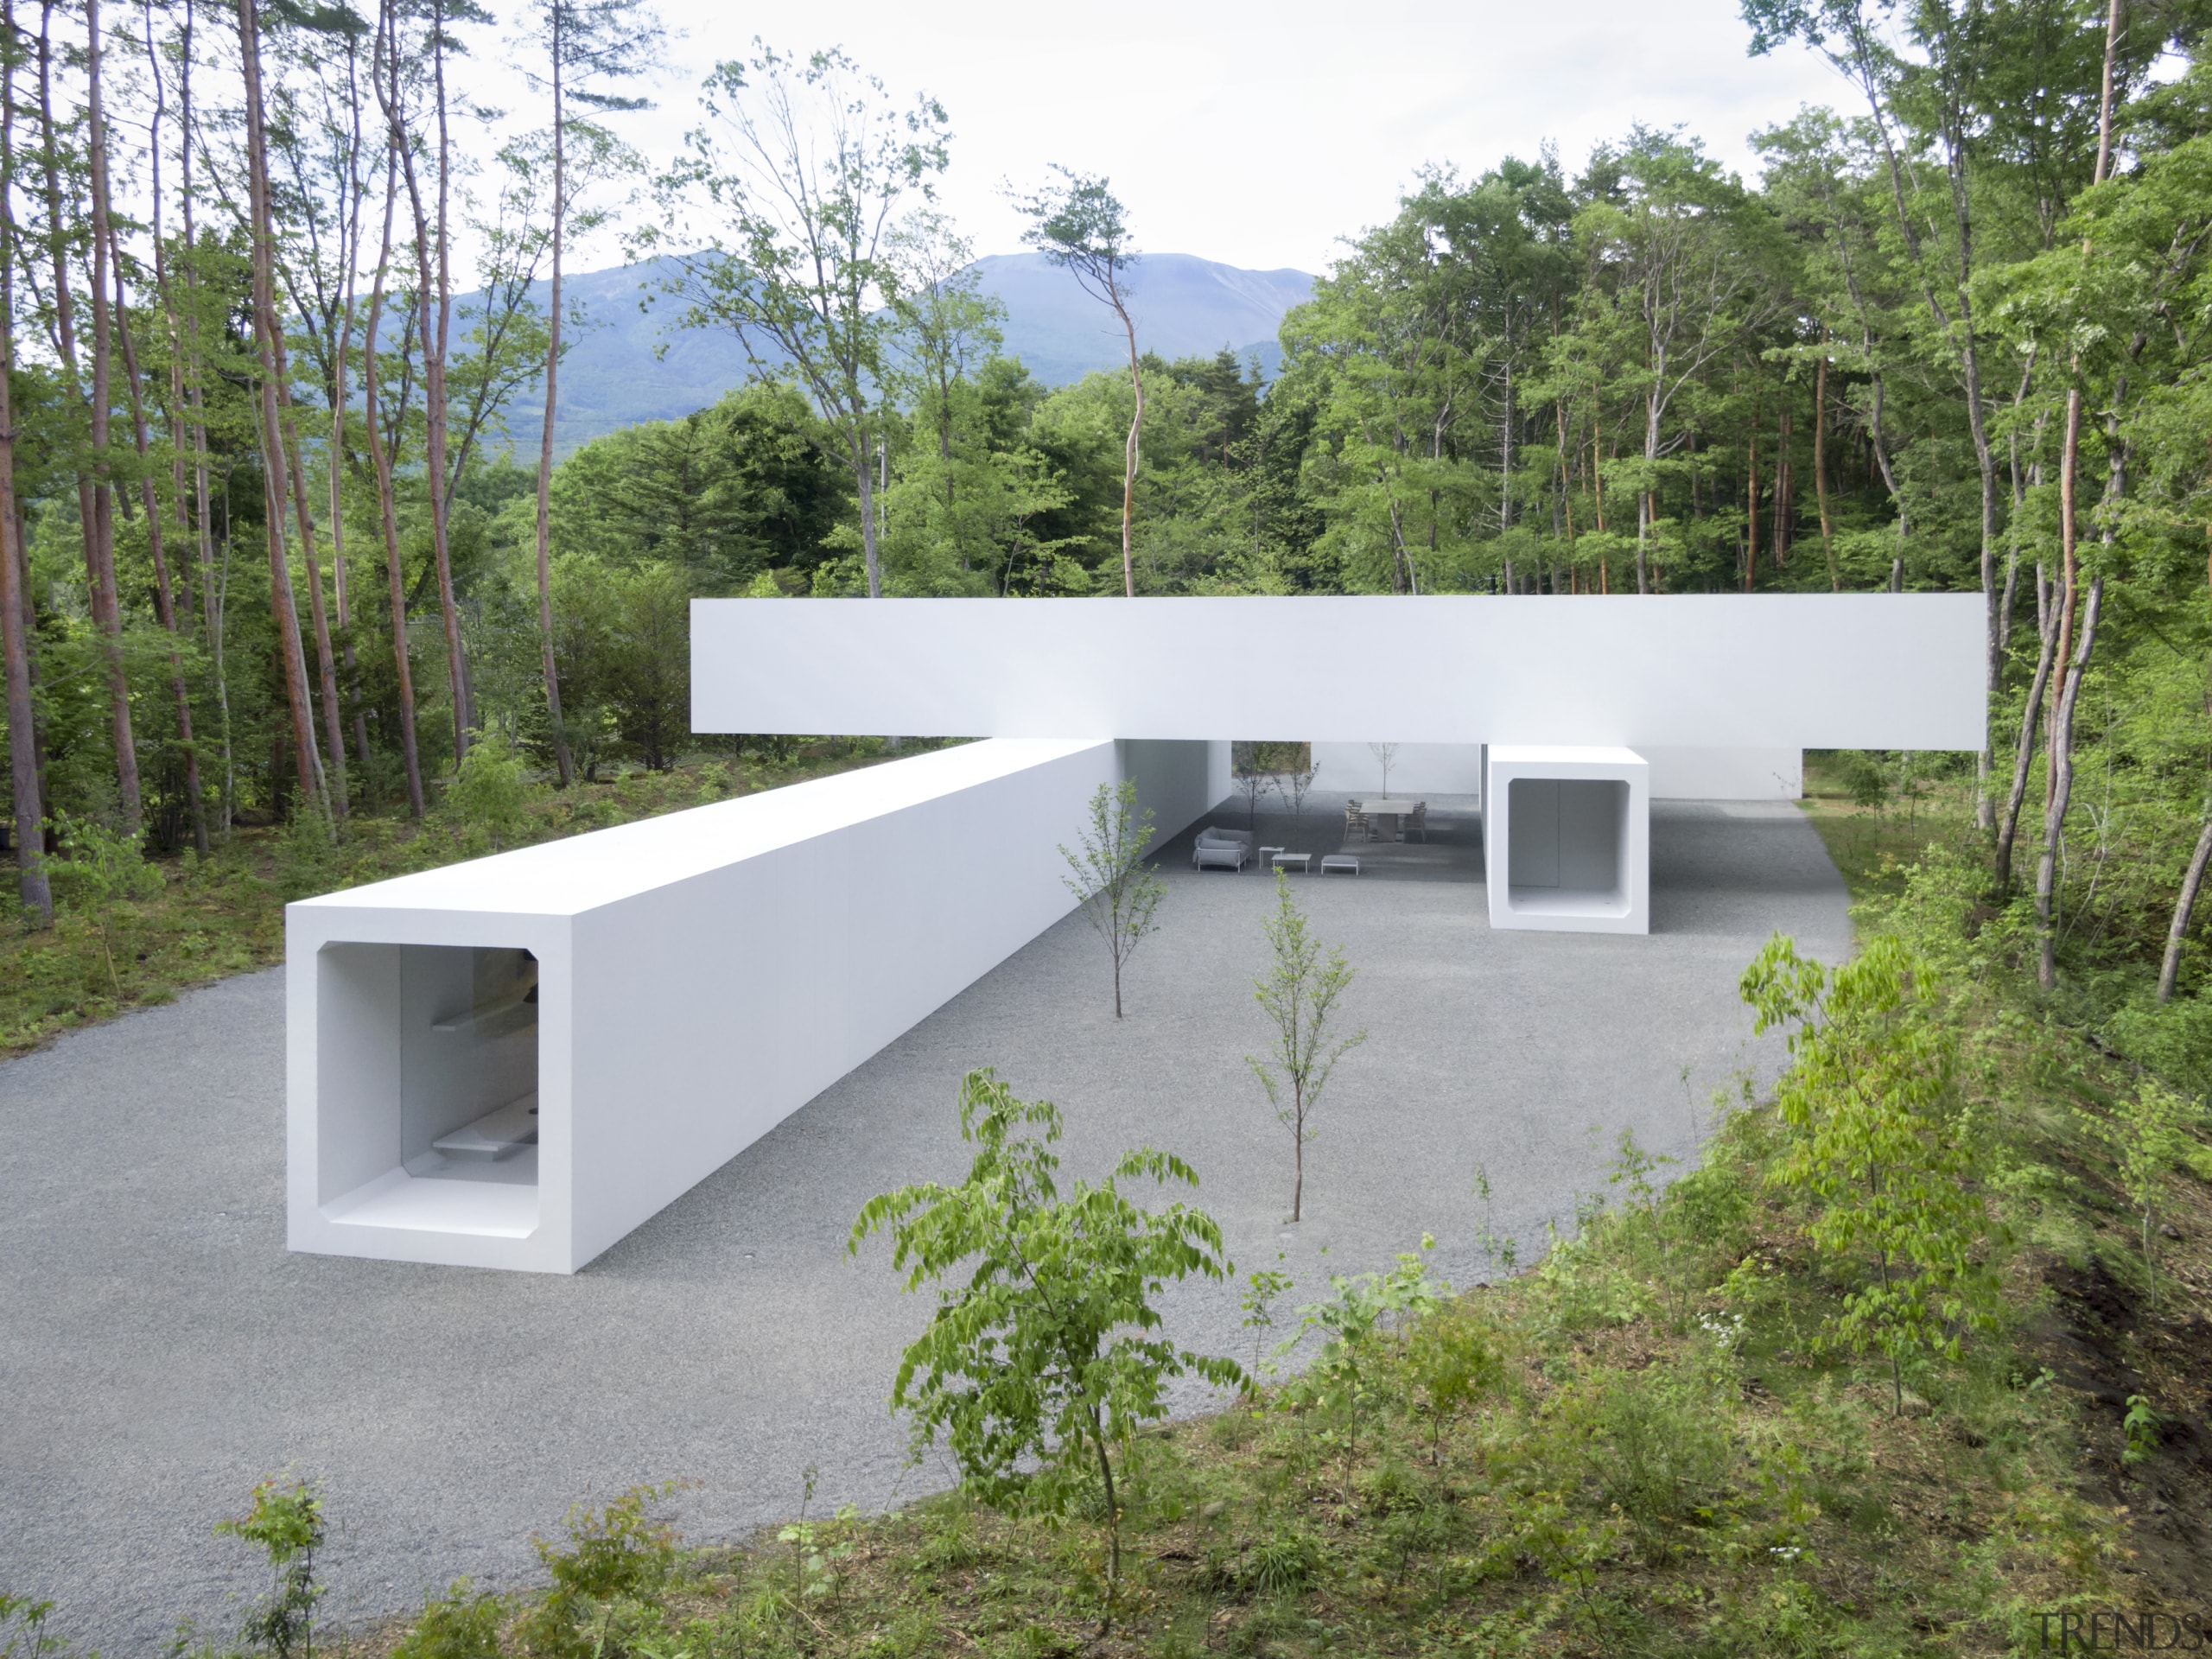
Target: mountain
{"x":629,"y":363}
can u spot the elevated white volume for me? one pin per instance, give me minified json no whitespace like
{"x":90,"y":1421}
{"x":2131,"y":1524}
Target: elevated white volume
{"x":1773,"y":671}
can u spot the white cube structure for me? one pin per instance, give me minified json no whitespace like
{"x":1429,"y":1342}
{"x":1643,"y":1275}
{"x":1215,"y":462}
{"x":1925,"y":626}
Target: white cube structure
{"x":514,"y":1062}
{"x":1567,"y":839}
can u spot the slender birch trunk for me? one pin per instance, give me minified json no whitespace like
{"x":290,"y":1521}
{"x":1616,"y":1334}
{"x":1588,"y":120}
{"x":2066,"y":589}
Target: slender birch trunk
{"x":31,"y":884}
{"x":548,"y":666}
{"x":107,"y":605}
{"x":287,"y":615}
{"x":165,"y":603}
{"x":380,"y":457}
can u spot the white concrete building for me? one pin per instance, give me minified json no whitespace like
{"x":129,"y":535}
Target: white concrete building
{"x":514,"y":1062}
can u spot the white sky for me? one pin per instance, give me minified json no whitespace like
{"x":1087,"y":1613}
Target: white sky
{"x":1257,"y":135}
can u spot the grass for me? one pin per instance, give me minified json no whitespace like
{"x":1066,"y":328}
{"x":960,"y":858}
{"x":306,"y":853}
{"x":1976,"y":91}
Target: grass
{"x":1651,"y":1443}
{"x":225,"y":914}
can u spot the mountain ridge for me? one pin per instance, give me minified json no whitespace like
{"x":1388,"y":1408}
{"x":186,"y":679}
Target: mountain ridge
{"x":629,"y":363}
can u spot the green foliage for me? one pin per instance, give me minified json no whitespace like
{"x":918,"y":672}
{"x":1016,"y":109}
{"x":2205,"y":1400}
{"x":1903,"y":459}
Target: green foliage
{"x":99,"y":869}
{"x":490,"y":792}
{"x":615,"y":1558}
{"x":23,"y":1634}
{"x":1300,"y":997}
{"x":1048,"y":1347}
{"x":1118,"y":891}
{"x":460,"y":1624}
{"x":1882,"y":1149}
{"x":2140,"y":1428}
{"x":2147,"y":1135}
{"x":286,"y":1524}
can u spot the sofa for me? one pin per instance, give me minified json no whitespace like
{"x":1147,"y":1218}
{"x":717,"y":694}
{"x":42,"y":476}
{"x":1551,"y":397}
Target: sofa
{"x":1222,"y":849}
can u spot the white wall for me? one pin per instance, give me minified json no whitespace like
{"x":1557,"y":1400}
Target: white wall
{"x":1174,"y":781}
{"x":701,"y":976}
{"x":1418,"y":768}
{"x":1772,"y":670}
{"x":1709,"y":774}
{"x":1567,"y":839}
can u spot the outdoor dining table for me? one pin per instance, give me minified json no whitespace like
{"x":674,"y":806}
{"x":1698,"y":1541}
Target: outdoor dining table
{"x":1394,"y":811}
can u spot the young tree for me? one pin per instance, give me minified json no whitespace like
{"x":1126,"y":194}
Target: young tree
{"x":1044,"y":1349}
{"x":1080,"y":226}
{"x":1299,"y":996}
{"x":806,"y":164}
{"x":1881,"y":1148}
{"x":1118,"y":891}
{"x":1385,"y":754}
{"x":583,"y":42}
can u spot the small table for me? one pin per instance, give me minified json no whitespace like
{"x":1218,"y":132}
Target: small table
{"x":1304,"y":861}
{"x":1339,"y":862}
{"x":1392,"y":810}
{"x":1268,"y":853}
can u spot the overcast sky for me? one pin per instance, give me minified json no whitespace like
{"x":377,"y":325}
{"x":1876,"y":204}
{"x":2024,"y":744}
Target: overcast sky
{"x":1257,"y":135}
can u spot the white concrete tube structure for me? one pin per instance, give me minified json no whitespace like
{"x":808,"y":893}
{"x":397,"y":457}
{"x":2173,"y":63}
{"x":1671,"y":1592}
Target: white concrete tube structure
{"x":1567,"y":839}
{"x":662,"y":993}
{"x":1692,"y":671}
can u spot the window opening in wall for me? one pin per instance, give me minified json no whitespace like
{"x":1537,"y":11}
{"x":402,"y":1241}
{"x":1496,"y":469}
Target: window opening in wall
{"x":1567,"y":842}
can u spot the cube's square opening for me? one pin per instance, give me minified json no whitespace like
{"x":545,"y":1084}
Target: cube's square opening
{"x":1567,"y":845}
{"x":427,"y":1086}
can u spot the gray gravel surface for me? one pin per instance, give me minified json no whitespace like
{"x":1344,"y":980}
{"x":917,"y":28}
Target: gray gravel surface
{"x":160,"y":1351}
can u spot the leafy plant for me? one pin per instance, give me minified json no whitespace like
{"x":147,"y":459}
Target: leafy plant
{"x":2148,"y":1135}
{"x":1503,"y":1249}
{"x":2141,"y":1427}
{"x":23,"y":1634}
{"x":621,"y":1553}
{"x":491,"y":791}
{"x":286,"y":1524}
{"x":1299,"y":994}
{"x":817,"y":1551}
{"x":1118,"y":891}
{"x":460,"y":1624}
{"x":1045,"y":1349}
{"x":1258,"y":1300}
{"x":1881,"y":1147}
{"x":100,"y":869}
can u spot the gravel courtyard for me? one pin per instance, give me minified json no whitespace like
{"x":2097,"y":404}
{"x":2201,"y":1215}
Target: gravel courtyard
{"x":160,"y":1351}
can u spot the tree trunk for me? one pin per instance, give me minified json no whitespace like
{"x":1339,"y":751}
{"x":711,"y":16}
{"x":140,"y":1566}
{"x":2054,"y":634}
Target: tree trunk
{"x":1129,"y":452}
{"x":31,"y":884}
{"x":548,"y":665}
{"x":432,"y":305}
{"x":380,"y":457}
{"x":1821,"y":464}
{"x":107,"y":606}
{"x":165,"y":603}
{"x":266,"y":328}
{"x":326,"y":661}
{"x":2023,"y":753}
{"x":2170,"y":968}
{"x":2062,"y":734}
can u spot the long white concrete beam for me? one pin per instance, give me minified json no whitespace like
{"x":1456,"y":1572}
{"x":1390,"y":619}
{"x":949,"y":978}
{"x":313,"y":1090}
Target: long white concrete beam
{"x":1809,"y":670}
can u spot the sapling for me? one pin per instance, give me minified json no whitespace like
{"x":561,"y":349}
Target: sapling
{"x":286,"y":1523}
{"x":102,"y":869}
{"x":1299,"y":994}
{"x":1385,"y":755}
{"x":1258,"y":1300}
{"x":1880,"y":1150}
{"x":1042,"y":1357}
{"x":2148,"y":1135}
{"x":1118,"y":890}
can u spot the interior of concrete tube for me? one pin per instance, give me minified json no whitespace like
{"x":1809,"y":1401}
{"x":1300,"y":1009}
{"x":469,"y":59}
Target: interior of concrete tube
{"x":468,"y":1064}
{"x":1568,"y":845}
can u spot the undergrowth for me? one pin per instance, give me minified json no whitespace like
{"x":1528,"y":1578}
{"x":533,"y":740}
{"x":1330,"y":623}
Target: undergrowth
{"x":170,"y":923}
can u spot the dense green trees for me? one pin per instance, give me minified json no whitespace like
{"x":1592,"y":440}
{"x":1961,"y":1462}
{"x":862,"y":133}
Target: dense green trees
{"x":1953,"y":337}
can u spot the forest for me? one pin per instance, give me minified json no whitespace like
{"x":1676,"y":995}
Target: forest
{"x":274,"y":309}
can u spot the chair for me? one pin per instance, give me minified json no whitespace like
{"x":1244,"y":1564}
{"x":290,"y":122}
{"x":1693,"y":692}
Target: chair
{"x":1355,"y":823}
{"x":1417,"y":820}
{"x":1217,"y":848}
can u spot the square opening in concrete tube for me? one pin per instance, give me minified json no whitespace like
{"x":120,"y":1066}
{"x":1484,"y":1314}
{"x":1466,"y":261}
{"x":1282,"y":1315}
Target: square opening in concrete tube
{"x":1569,"y":850}
{"x":427,"y":1087}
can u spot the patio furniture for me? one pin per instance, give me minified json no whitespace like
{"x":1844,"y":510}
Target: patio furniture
{"x":1333,"y":863}
{"x":1387,"y":815}
{"x":1417,"y":822}
{"x":1267,"y":853}
{"x":1303,"y":860}
{"x":1355,"y":823}
{"x":1222,"y":849}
